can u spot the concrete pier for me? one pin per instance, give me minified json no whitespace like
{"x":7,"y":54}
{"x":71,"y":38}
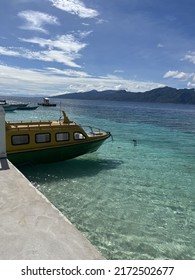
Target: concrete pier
{"x":31,"y":227}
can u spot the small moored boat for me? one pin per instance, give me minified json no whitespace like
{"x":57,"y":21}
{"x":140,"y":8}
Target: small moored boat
{"x":12,"y":106}
{"x":47,"y":103}
{"x":43,"y":142}
{"x":7,"y":107}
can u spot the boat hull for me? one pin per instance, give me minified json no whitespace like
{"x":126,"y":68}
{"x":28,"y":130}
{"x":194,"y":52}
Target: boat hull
{"x":53,"y":154}
{"x":9,"y":108}
{"x":47,"y":105}
{"x":27,"y":108}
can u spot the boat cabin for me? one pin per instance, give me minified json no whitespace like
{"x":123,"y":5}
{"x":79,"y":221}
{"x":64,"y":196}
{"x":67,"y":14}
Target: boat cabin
{"x":22,"y":136}
{"x":49,"y":141}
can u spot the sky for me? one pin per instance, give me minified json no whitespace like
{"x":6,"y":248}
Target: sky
{"x":50,"y":47}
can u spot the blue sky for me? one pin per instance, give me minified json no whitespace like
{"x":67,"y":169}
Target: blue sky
{"x":51,"y":47}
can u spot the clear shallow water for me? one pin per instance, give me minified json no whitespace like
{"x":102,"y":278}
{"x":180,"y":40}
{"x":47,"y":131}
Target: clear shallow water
{"x":131,"y":201}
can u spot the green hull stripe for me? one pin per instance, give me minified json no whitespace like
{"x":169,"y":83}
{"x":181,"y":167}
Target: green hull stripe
{"x":54,"y":154}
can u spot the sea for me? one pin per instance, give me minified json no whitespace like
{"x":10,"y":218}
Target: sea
{"x":133,"y":199}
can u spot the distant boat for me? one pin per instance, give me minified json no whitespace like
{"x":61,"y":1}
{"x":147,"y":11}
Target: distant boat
{"x":7,"y":107}
{"x":46,"y":102}
{"x":43,"y":142}
{"x":12,"y":106}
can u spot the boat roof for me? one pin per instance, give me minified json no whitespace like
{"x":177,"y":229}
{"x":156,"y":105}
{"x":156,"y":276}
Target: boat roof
{"x":41,"y":124}
{"x":3,"y":101}
{"x":29,"y":125}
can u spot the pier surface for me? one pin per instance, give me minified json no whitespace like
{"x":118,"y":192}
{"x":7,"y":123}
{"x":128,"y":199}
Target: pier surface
{"x":31,"y":228}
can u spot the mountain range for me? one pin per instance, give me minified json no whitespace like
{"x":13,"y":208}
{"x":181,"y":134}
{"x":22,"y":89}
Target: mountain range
{"x":159,"y":95}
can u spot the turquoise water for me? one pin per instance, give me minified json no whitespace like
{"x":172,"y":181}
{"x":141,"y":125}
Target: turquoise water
{"x":132,"y":200}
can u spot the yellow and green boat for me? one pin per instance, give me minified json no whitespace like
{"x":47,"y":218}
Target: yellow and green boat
{"x":44,"y":142}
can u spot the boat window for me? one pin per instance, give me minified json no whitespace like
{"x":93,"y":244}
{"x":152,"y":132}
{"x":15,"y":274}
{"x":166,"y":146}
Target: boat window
{"x":79,"y":136}
{"x":62,"y":136}
{"x":43,"y":137}
{"x":20,"y":139}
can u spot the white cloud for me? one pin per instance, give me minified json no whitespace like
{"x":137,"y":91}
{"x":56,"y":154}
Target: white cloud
{"x":160,"y":45}
{"x":68,"y":72}
{"x":86,"y":24}
{"x":47,"y":55}
{"x":67,"y":43}
{"x":75,"y":7}
{"x":100,"y":21}
{"x":118,"y":71}
{"x":184,"y":76}
{"x":64,"y":49}
{"x":190,"y":57}
{"x":8,"y":51}
{"x":178,"y":75}
{"x":110,"y":76}
{"x":20,"y":81}
{"x":83,"y":34}
{"x":35,"y":20}
{"x":190,"y":85}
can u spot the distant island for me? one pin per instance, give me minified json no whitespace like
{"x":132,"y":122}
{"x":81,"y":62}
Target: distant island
{"x":158,"y":95}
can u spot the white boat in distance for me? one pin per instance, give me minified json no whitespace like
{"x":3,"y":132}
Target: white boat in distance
{"x":12,"y":106}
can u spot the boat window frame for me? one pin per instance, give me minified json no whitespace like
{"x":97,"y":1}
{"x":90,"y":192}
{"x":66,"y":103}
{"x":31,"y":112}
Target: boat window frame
{"x":37,"y":142}
{"x":18,"y":144}
{"x":79,"y":139}
{"x":63,"y":140}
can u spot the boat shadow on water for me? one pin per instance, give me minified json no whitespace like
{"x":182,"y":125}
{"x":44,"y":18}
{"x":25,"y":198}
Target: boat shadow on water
{"x":75,"y":168}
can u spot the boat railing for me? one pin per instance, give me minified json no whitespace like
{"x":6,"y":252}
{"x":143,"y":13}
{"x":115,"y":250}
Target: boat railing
{"x":93,"y":130}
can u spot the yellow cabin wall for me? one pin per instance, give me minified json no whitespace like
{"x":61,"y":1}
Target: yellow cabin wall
{"x":33,"y":131}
